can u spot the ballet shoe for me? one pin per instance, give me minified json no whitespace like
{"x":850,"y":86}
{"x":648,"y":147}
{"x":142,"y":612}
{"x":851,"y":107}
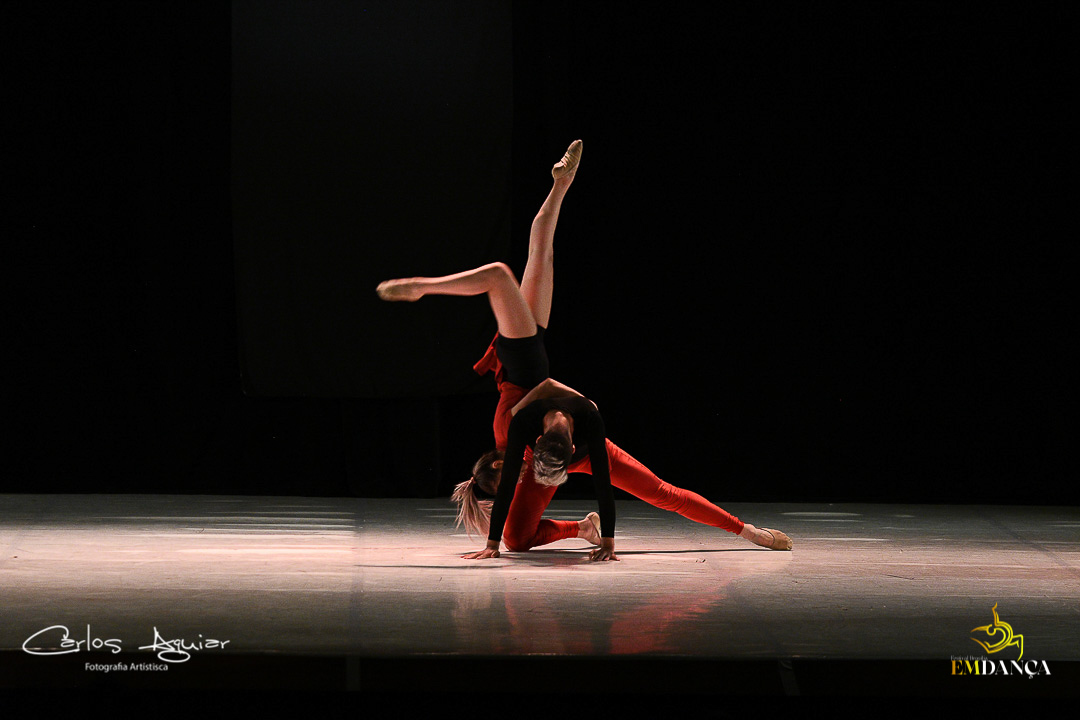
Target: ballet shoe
{"x":568,"y":164}
{"x":780,"y":541}
{"x":594,"y":520}
{"x":398,"y":291}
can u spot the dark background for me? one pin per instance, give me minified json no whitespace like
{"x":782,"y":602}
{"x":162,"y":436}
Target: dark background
{"x":811,"y":254}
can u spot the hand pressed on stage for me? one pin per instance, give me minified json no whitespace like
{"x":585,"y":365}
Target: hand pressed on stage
{"x":488,"y":552}
{"x":606,"y":551}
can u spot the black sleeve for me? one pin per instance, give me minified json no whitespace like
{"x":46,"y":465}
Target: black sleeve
{"x":517,"y":437}
{"x":601,"y":473}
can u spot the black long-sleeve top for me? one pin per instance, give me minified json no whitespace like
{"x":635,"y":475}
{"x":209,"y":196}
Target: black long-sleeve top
{"x":589,"y":439}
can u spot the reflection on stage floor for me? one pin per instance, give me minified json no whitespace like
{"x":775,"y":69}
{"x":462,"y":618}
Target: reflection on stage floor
{"x":183,"y":580}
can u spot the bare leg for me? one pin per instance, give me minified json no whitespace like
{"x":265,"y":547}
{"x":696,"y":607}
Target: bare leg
{"x":517,"y":309}
{"x":512,"y":313}
{"x":538,"y":281}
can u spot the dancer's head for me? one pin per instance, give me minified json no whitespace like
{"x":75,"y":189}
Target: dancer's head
{"x":473,"y":511}
{"x":552,"y":455}
{"x":487,"y":471}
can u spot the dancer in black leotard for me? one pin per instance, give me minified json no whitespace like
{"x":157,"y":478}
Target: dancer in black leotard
{"x":517,"y":355}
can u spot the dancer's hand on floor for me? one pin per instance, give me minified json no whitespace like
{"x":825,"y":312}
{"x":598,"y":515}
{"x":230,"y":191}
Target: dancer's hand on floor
{"x":483,"y":554}
{"x":606,"y":551}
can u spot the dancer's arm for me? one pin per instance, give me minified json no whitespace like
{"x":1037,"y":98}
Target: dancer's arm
{"x":547,"y":389}
{"x":605,"y":497}
{"x":511,"y":468}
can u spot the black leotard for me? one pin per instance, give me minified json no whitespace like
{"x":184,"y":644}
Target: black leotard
{"x":524,"y":360}
{"x":589,"y":439}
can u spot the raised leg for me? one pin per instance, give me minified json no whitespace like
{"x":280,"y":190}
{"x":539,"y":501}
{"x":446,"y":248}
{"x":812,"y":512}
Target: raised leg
{"x":512,"y":313}
{"x":518,"y":309}
{"x":538,"y":281}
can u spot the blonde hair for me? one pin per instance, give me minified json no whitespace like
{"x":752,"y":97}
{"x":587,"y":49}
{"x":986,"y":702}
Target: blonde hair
{"x":473,"y":513}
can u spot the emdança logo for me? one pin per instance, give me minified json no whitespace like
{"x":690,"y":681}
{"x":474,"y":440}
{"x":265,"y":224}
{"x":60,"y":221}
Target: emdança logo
{"x":1008,"y":639}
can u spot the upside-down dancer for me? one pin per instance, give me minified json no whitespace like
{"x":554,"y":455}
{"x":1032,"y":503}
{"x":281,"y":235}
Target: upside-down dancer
{"x":532,"y":404}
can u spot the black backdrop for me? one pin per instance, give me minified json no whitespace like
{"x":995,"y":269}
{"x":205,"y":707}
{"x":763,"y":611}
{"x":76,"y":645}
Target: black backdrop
{"x":820,"y":238}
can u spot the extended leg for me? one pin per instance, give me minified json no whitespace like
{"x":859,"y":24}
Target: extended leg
{"x":630,"y":475}
{"x":772,"y":539}
{"x":512,"y":313}
{"x":538,"y":281}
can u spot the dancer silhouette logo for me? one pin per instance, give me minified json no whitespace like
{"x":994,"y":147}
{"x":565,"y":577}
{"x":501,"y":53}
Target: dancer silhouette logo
{"x":1007,"y":640}
{"x":994,"y":638}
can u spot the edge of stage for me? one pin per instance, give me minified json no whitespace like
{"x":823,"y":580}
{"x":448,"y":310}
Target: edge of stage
{"x":327,"y":594}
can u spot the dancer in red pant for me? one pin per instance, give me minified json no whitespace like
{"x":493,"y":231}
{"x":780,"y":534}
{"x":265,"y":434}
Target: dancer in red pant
{"x":519,"y":361}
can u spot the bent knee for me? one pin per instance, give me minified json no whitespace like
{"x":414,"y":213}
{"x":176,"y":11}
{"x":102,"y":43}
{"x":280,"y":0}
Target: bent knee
{"x":500,"y":272}
{"x":516,"y":544}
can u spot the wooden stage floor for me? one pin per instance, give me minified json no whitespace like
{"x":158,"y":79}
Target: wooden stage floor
{"x":372,"y":595}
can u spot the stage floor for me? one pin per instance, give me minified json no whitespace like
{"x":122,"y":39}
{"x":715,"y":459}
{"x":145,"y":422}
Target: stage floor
{"x":371,"y":583}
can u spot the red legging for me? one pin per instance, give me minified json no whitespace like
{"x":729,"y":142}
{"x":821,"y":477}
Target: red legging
{"x":525,"y":528}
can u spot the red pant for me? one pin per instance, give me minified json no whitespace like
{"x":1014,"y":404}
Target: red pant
{"x":526,"y":529}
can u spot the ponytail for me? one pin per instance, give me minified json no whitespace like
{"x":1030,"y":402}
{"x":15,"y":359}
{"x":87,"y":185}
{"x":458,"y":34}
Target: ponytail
{"x":473,"y":513}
